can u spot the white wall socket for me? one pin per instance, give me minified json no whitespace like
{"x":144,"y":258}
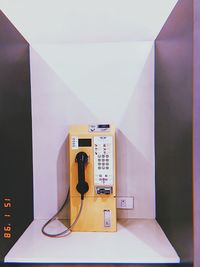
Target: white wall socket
{"x":125,"y":202}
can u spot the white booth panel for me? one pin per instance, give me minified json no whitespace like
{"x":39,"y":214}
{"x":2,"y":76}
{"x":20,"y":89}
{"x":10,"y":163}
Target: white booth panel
{"x":93,"y":83}
{"x":67,"y":21}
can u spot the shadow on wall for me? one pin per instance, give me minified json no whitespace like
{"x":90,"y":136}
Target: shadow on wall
{"x":54,"y":108}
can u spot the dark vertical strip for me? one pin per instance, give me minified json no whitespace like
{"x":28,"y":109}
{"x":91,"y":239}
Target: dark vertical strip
{"x":173,"y":128}
{"x":196,"y":136}
{"x":16,"y":189}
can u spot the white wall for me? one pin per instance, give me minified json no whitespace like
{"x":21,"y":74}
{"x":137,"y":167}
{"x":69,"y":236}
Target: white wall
{"x":67,"y":21}
{"x":92,"y":83}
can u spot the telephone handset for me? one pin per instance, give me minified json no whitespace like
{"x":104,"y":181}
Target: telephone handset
{"x":82,"y":186}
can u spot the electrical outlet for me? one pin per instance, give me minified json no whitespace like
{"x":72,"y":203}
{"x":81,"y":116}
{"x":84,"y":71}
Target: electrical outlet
{"x":125,"y":203}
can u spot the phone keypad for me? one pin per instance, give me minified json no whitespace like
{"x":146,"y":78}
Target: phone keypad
{"x":103,"y":163}
{"x":103,"y":160}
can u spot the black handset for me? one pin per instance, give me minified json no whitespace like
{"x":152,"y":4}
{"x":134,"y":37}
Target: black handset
{"x":82,"y":186}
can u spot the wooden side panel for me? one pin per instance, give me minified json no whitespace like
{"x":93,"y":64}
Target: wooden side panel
{"x":174,"y":129}
{"x":16,"y":171}
{"x":196,"y":133}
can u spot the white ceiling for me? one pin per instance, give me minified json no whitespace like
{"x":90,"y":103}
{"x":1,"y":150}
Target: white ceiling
{"x":77,"y":21}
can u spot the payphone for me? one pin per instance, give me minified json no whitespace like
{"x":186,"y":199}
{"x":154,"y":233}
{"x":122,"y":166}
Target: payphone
{"x":92,"y":177}
{"x":92,"y":180}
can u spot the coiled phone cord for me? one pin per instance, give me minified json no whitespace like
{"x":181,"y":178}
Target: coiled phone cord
{"x":68,"y":230}
{"x":82,"y":187}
